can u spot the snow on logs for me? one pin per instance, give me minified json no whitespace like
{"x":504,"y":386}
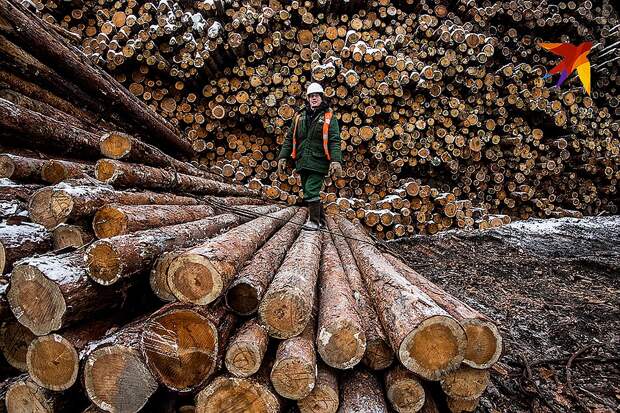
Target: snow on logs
{"x":19,"y":240}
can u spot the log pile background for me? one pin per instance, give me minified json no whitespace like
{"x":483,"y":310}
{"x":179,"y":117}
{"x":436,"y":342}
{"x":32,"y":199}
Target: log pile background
{"x":449,"y":95}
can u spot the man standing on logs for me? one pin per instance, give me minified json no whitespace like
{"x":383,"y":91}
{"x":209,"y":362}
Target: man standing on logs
{"x":313,"y":142}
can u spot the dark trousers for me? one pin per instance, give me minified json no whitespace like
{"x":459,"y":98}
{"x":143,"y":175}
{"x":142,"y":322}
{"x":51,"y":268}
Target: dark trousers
{"x":311,"y":183}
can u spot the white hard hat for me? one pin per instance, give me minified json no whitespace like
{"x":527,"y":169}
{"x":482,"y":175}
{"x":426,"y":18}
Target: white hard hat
{"x":314,"y":88}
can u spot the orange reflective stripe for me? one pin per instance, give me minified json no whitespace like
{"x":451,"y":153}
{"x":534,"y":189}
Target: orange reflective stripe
{"x":328,"y":119}
{"x":294,"y":153}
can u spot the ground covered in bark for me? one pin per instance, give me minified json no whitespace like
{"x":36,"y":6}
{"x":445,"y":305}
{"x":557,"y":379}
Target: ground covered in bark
{"x":553,"y":287}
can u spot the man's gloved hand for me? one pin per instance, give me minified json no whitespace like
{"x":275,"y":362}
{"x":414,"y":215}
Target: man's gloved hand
{"x":282,"y":166}
{"x":335,"y":169}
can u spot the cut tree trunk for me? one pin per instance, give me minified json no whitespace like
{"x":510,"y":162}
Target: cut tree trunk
{"x":158,"y":278}
{"x":25,"y":396}
{"x":360,"y":391}
{"x":404,"y":390}
{"x":287,"y":305}
{"x":57,"y":170}
{"x":378,"y":353}
{"x":484,"y":342}
{"x":14,"y":342}
{"x":341,"y":340}
{"x":10,"y":190}
{"x":247,"y":290}
{"x":230,"y":394}
{"x":109,"y":260}
{"x":54,"y":205}
{"x":114,"y":219}
{"x":294,"y":370}
{"x":246,"y":349}
{"x":20,"y":168}
{"x":427,"y":340}
{"x":465,"y":383}
{"x":457,"y":405}
{"x":21,"y":240}
{"x":183,"y":344}
{"x":65,"y":235}
{"x":324,"y":398}
{"x":201,"y":274}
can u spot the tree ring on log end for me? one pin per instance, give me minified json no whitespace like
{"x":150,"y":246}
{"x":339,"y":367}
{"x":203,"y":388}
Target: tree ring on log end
{"x":406,"y":396}
{"x":180,"y":348}
{"x":243,"y":359}
{"x":36,"y":301}
{"x":50,"y":207}
{"x":242,"y":298}
{"x":105,"y":171}
{"x":341,"y":345}
{"x":233,"y":394}
{"x":53,"y":362}
{"x":484,"y":343}
{"x":323,"y":399}
{"x":465,"y":383}
{"x":25,"y":396}
{"x":53,"y":172}
{"x":117,"y":380}
{"x":285,"y":314}
{"x":14,"y":342}
{"x":435,"y":347}
{"x":196,"y":279}
{"x":378,"y":355}
{"x":114,"y":145}
{"x":104,"y":265}
{"x":7,"y":166}
{"x":293,"y":378}
{"x":109,"y":221}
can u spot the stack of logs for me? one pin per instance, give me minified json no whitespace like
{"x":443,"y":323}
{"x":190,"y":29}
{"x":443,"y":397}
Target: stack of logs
{"x":451,"y":93}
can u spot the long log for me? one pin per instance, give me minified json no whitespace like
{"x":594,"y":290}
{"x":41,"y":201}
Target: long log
{"x":121,"y":174}
{"x":404,"y":390}
{"x":57,"y":170}
{"x":183,"y":345}
{"x":112,"y":259}
{"x":340,"y":340}
{"x":202,"y":274}
{"x":229,"y":394}
{"x":114,"y":219}
{"x":287,"y":305}
{"x":324,"y":397}
{"x":484,"y":342}
{"x":246,"y":349}
{"x":14,"y":342}
{"x":21,"y":240}
{"x":426,"y":339}
{"x":20,"y":168}
{"x":360,"y":391}
{"x":54,"y":205}
{"x":10,"y":191}
{"x":247,"y":290}
{"x":378,"y":353}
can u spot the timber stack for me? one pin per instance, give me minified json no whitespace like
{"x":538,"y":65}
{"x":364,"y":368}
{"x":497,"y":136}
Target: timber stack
{"x":451,"y":93}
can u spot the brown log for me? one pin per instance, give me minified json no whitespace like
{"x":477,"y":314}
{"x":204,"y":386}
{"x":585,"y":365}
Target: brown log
{"x":465,"y":383}
{"x":228,"y":394}
{"x":324,"y":397}
{"x":404,"y":390}
{"x":26,"y":396}
{"x":14,"y":342}
{"x":183,"y":344}
{"x":113,"y":220}
{"x":287,"y":305}
{"x":294,"y":370}
{"x":57,"y":170}
{"x":202,"y":274}
{"x":426,"y":339}
{"x":10,"y":190}
{"x":458,"y":405}
{"x":65,"y":235}
{"x":19,"y":240}
{"x":247,"y":290}
{"x":430,"y":406}
{"x":57,"y":204}
{"x":112,"y":259}
{"x":158,"y":278}
{"x":246,"y":349}
{"x":340,"y":340}
{"x":122,"y":174}
{"x":360,"y":391}
{"x":378,"y":353}
{"x":20,"y":168}
{"x":484,"y":342}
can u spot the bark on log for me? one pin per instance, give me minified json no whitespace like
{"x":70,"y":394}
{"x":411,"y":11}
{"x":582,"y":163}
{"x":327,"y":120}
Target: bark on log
{"x":64,"y":290}
{"x":122,"y":174}
{"x":57,"y":204}
{"x":294,"y":370}
{"x":21,"y":240}
{"x":202,"y":274}
{"x":229,"y":201}
{"x":465,"y":383}
{"x":247,"y":290}
{"x":287,"y":305}
{"x":110,"y":260}
{"x":427,"y":340}
{"x":14,"y":342}
{"x":404,"y":390}
{"x":113,"y":220}
{"x":246,"y":349}
{"x":58,"y":170}
{"x":183,"y":344}
{"x":158,"y":278}
{"x":20,"y":168}
{"x":324,"y":398}
{"x":25,"y":396}
{"x":360,"y":391}
{"x":378,"y":353}
{"x":5,"y":310}
{"x":10,"y":190}
{"x":229,"y":394}
{"x":484,"y":342}
{"x":341,"y":340}
{"x":65,"y":235}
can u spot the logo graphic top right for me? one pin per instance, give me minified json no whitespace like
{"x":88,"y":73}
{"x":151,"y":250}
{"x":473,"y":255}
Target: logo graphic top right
{"x":575,"y":58}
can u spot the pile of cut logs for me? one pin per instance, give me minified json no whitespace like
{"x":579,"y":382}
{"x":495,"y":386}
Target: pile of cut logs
{"x":451,"y":93}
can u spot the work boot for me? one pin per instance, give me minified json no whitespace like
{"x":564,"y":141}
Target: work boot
{"x":322,"y":221}
{"x":314,"y":220}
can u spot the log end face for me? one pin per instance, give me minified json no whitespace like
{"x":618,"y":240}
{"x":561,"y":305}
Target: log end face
{"x":484,"y":343}
{"x":293,"y":378}
{"x":243,"y":360}
{"x":2,"y":258}
{"x":284,"y":315}
{"x":322,"y":399}
{"x":242,"y":298}
{"x":465,"y":383}
{"x":105,"y":171}
{"x":180,"y":347}
{"x":14,"y":342}
{"x":117,"y":380}
{"x":42,"y":315}
{"x":434,"y":348}
{"x":109,"y":221}
{"x":7,"y":166}
{"x":195,"y":279}
{"x":49,"y":207}
{"x":378,"y":355}
{"x":341,"y":346}
{"x":103,"y":263}
{"x":53,"y":362}
{"x":115,"y":145}
{"x":53,"y":172}
{"x":406,"y":396}
{"x":25,"y":396}
{"x":232,"y":394}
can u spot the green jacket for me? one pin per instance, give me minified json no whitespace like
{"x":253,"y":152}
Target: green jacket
{"x":310,"y":155}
